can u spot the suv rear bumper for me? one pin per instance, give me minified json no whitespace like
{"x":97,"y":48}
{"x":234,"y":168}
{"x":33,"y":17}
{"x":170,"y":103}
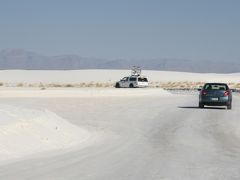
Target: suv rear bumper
{"x":222,"y":101}
{"x":216,"y":103}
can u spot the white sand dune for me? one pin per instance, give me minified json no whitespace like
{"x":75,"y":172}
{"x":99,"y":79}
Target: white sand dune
{"x":78,"y":76}
{"x":24,"y":132}
{"x":146,"y":133}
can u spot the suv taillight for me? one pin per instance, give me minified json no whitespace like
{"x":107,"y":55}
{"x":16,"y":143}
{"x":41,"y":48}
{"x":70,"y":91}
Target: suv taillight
{"x":204,"y":92}
{"x":226,"y":93}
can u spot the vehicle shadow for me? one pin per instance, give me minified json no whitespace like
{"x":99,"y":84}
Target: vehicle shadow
{"x":196,"y":107}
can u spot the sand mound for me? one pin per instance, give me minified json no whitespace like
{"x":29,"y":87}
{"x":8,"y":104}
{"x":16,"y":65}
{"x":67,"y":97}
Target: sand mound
{"x":24,"y":132}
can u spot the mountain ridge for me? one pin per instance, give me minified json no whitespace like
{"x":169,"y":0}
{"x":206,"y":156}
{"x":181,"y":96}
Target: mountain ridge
{"x":22,"y":59}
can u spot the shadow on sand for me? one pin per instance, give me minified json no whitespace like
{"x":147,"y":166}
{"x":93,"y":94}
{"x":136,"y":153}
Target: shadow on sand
{"x":196,"y":107}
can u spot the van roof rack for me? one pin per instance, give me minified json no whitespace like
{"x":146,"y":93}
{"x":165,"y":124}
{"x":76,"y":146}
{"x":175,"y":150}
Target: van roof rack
{"x":136,"y":71}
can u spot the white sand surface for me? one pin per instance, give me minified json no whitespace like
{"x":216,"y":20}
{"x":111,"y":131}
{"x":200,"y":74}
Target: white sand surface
{"x":78,"y":76}
{"x":25,"y":131}
{"x":148,"y":133}
{"x":80,"y":92}
{"x":145,"y":138}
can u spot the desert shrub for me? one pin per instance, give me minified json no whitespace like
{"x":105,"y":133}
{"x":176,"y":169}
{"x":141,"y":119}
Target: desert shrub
{"x":98,"y":85}
{"x":82,"y":85}
{"x":69,"y":85}
{"x":91,"y":84}
{"x":184,"y":85}
{"x":20,"y":85}
{"x":31,"y":85}
{"x":55,"y":85}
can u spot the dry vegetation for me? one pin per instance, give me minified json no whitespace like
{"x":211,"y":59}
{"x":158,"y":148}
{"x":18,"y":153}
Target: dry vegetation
{"x":59,"y":85}
{"x":187,"y":85}
{"x":184,"y":85}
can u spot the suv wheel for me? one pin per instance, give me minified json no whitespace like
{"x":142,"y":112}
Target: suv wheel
{"x":117,"y":85}
{"x":201,"y":105}
{"x":229,"y":106}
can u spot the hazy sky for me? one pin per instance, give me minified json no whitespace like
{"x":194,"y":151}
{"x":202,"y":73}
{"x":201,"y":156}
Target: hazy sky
{"x":186,"y":29}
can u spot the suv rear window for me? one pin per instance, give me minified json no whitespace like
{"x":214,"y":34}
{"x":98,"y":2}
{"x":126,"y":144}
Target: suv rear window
{"x":141,"y":79}
{"x":215,"y":87}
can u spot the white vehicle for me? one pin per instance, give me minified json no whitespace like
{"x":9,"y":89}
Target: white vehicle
{"x":132,"y":81}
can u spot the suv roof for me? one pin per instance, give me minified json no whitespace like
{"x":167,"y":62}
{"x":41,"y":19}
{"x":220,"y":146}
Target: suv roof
{"x":217,"y":84}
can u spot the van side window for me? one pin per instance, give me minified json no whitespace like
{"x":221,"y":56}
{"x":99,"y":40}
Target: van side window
{"x":141,"y":79}
{"x":133,"y":79}
{"x":125,"y":79}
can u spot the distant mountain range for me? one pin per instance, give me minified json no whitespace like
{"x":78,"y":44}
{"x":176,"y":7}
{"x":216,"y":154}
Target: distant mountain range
{"x":21,"y":59}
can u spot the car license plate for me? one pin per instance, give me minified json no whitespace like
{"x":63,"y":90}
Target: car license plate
{"x":214,"y":99}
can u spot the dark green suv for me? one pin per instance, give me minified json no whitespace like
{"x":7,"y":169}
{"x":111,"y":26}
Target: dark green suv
{"x":215,"y":94}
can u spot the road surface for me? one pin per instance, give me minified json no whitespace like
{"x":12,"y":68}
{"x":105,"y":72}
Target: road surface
{"x":142,"y":138}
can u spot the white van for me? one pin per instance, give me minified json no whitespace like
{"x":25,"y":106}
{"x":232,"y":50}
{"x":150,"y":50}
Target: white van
{"x":132,"y":82}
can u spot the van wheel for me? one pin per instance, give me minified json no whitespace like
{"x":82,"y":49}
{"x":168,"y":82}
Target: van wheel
{"x":117,"y":85}
{"x":131,"y":86}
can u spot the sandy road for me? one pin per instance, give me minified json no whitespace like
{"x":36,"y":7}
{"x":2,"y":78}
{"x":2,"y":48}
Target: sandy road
{"x":148,"y":138}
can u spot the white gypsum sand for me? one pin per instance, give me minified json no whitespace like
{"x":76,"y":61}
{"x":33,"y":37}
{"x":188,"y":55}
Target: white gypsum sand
{"x":107,"y":76}
{"x":24,"y":132}
{"x":150,"y":137}
{"x":145,"y":133}
{"x":82,"y":92}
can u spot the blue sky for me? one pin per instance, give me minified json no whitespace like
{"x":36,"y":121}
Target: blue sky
{"x":184,"y":29}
